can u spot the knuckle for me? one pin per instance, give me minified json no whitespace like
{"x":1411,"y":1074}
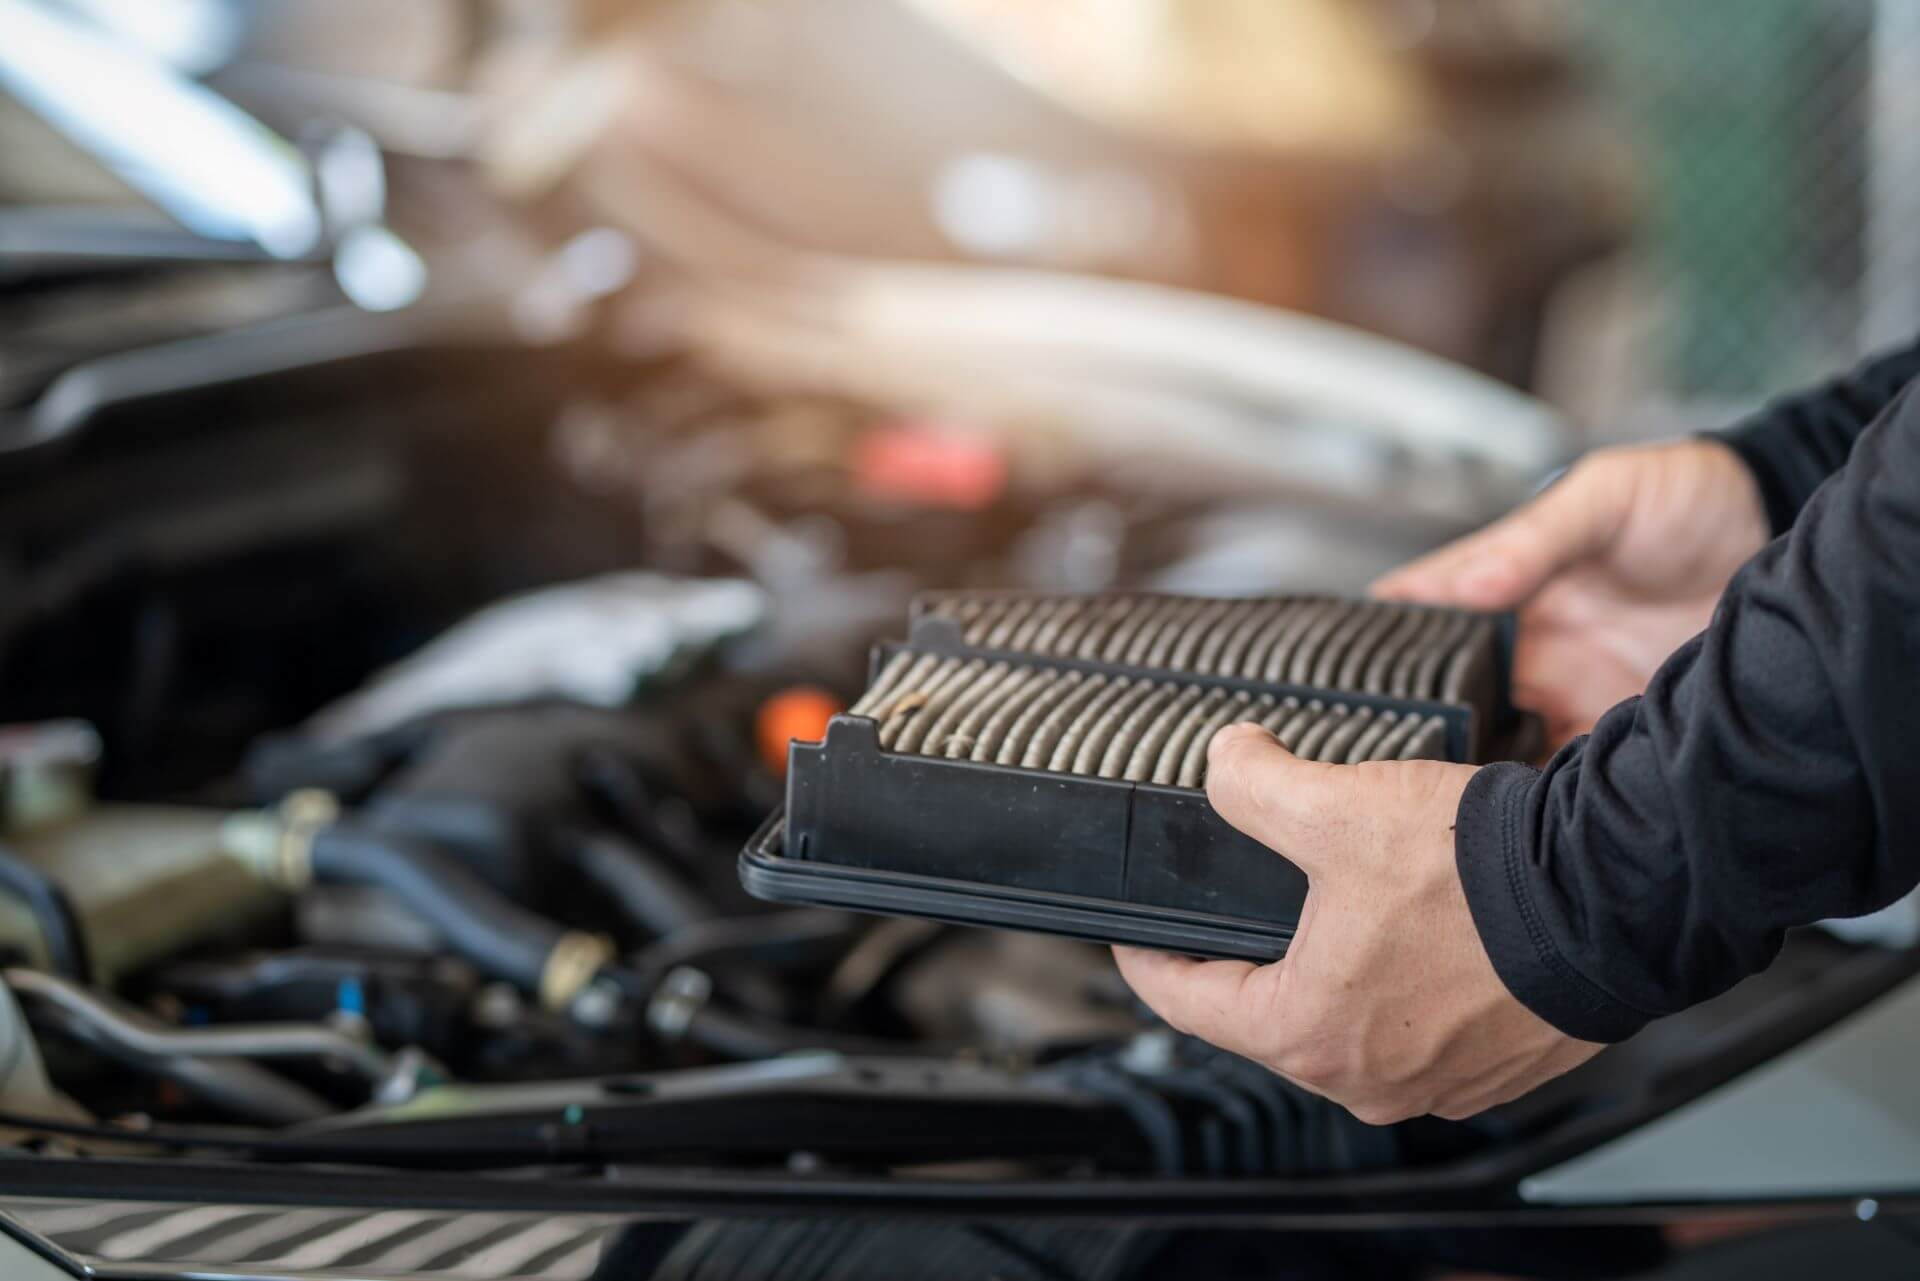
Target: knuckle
{"x":1383,"y":1111}
{"x":1562,"y":502}
{"x":1226,"y":774}
{"x":1313,"y":1066}
{"x":1233,"y":782}
{"x":1600,"y":468}
{"x":1378,"y":775}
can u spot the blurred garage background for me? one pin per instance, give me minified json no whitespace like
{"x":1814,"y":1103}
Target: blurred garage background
{"x":1636,"y":210}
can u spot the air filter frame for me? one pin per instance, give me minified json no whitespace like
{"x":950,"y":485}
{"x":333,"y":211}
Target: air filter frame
{"x":1106,"y":860}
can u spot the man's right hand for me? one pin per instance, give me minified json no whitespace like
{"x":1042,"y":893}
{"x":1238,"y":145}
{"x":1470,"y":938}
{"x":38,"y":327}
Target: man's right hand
{"x":1611,"y":569}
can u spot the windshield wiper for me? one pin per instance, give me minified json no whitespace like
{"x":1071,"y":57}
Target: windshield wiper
{"x":1179,"y":1108}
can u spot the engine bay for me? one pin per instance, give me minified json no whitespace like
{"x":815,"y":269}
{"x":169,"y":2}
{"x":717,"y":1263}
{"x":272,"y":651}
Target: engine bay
{"x":506,"y":858}
{"x":403,"y":831}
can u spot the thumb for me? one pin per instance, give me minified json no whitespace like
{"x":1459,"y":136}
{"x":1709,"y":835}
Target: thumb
{"x":1272,"y":795}
{"x":1504,"y":564}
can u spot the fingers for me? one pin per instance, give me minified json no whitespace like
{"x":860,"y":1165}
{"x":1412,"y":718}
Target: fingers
{"x":1506,"y":563}
{"x":1435,"y":579}
{"x":1269,"y":793}
{"x":1216,"y":1001}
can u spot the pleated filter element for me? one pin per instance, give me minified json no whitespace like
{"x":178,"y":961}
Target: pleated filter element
{"x":1359,"y":646}
{"x":1113,"y":726}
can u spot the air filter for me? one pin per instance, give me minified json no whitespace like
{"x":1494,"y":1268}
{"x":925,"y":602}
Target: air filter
{"x":1037,"y":762}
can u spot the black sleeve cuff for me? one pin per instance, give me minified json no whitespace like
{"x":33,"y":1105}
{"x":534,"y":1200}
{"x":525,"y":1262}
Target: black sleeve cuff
{"x":1780,"y":498}
{"x":1490,"y":851}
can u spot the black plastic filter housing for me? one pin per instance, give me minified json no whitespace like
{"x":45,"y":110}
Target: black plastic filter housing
{"x":1037,"y":762}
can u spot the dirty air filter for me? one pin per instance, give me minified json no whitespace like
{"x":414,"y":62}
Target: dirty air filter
{"x":1364,"y":646}
{"x":1111,"y":726}
{"x":1036,"y":762}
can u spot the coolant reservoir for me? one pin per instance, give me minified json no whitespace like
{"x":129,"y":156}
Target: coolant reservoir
{"x":142,"y":881}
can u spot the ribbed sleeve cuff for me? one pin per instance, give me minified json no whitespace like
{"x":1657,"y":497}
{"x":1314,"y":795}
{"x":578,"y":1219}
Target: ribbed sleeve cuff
{"x":1490,"y":850}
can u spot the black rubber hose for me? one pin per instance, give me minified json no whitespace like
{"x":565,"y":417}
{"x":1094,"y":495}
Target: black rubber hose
{"x":651,"y":896}
{"x":59,"y":927}
{"x":244,"y":1090}
{"x":794,"y":938}
{"x":235,"y":1087}
{"x":619,"y":783}
{"x":736,"y":1034}
{"x":508,"y":942}
{"x":496,"y":936}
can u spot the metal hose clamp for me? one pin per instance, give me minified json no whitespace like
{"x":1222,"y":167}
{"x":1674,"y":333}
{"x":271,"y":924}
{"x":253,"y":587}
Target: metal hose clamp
{"x":681,"y":995}
{"x":570,"y":966}
{"x":303,"y":814}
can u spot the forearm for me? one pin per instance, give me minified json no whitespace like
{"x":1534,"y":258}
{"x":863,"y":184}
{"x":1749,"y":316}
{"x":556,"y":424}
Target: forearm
{"x":1795,"y":443}
{"x":1768,"y":778}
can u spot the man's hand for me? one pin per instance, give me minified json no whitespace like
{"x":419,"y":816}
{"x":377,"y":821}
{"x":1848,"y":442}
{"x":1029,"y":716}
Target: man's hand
{"x":1386,"y":1001}
{"x":1612,"y":569}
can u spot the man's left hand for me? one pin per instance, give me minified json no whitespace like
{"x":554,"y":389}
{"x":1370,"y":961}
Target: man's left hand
{"x":1386,"y":1001}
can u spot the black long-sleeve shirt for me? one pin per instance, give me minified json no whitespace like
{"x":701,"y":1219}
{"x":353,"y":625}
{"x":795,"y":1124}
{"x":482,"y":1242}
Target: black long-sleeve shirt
{"x":1770,"y":775}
